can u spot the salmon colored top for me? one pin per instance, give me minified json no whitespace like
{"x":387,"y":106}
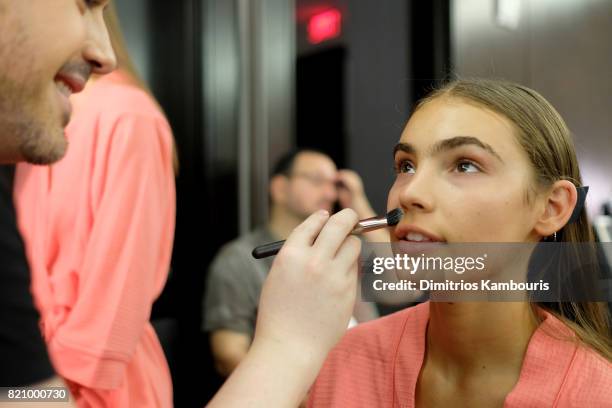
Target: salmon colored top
{"x":98,"y":228}
{"x":377,"y":364}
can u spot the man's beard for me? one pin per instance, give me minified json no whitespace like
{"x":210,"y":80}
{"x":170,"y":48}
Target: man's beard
{"x":26,"y":117}
{"x":298,"y":211}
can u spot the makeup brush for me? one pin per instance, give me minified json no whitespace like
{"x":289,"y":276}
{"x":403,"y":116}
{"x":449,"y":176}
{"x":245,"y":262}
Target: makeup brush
{"x":392,"y":218}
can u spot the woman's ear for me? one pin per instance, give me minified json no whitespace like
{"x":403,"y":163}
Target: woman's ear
{"x":558,"y":207}
{"x":278,"y":189}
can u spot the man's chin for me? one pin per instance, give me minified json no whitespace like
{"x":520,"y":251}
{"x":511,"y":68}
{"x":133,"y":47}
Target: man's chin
{"x":44,"y":146}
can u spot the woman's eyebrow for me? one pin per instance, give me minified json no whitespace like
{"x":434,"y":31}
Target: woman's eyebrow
{"x":404,"y":147}
{"x":448,"y":144}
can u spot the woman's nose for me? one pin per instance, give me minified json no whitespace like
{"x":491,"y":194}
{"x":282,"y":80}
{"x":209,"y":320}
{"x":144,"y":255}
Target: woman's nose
{"x":416,"y":194}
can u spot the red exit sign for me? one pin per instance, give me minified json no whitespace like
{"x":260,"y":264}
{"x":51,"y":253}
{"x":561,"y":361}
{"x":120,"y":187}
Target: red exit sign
{"x":324,"y":26}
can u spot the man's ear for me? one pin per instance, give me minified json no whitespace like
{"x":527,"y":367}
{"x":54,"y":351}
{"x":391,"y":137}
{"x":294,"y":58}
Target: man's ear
{"x":278,"y":189}
{"x":558,"y":207}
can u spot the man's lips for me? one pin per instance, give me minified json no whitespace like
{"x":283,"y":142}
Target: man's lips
{"x":68,"y":83}
{"x":76,"y":83}
{"x":413,"y":233}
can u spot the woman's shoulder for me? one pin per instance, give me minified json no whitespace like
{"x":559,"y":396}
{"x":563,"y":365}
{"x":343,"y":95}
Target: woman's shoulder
{"x":359,"y":370}
{"x":584,"y":376}
{"x":122,"y":99}
{"x":113,"y":97}
{"x":115,"y":109}
{"x":589,"y":380}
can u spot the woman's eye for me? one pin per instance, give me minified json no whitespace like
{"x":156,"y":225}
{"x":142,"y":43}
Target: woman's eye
{"x":404,"y":166}
{"x":465,"y":166}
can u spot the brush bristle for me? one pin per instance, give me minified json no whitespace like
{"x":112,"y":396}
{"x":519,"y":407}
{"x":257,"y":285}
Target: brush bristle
{"x":394,"y":216}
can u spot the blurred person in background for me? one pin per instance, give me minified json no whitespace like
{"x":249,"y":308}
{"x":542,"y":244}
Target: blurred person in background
{"x":302,"y":182}
{"x":36,"y":77}
{"x":98,"y":228}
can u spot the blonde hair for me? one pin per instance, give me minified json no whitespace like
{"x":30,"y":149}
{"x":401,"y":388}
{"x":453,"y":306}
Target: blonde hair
{"x":546,"y":139}
{"x":126,"y":65}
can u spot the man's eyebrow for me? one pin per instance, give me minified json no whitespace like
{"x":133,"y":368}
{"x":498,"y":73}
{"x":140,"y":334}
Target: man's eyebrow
{"x":449,"y":144}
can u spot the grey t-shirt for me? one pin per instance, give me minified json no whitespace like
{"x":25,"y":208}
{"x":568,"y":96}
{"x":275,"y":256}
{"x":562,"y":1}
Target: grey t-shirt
{"x":235,"y":280}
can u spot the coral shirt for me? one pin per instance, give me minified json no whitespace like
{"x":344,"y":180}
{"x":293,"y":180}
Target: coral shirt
{"x":98,"y":228}
{"x":377,"y":364}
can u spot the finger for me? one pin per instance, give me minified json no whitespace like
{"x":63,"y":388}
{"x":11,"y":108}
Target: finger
{"x":335,"y":232}
{"x":305,"y":233}
{"x":344,"y":177}
{"x":349,"y":252}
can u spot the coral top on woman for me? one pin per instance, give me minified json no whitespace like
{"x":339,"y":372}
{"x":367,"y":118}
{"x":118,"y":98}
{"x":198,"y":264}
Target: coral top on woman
{"x":377,"y":364}
{"x":98,"y":228}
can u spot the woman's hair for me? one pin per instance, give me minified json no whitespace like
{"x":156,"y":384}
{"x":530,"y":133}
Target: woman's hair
{"x":546,"y":139}
{"x":126,"y":65}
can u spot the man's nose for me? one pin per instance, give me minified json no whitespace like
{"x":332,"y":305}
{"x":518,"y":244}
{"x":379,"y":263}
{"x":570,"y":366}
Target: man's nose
{"x":332,"y":193}
{"x":327,"y":191}
{"x":98,"y":50}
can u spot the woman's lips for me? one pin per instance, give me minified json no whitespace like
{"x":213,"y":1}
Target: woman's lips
{"x":413,"y":233}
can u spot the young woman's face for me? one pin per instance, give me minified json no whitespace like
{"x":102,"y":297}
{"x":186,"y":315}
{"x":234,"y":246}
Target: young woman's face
{"x":461,"y":177}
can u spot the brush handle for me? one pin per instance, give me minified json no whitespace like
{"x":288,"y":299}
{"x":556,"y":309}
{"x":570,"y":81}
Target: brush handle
{"x":367,"y":225}
{"x":264,"y":251}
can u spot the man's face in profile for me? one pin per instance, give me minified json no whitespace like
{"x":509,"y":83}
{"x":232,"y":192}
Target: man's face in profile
{"x":48,"y":49}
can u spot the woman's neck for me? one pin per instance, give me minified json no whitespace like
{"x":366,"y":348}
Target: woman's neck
{"x":469,"y":338}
